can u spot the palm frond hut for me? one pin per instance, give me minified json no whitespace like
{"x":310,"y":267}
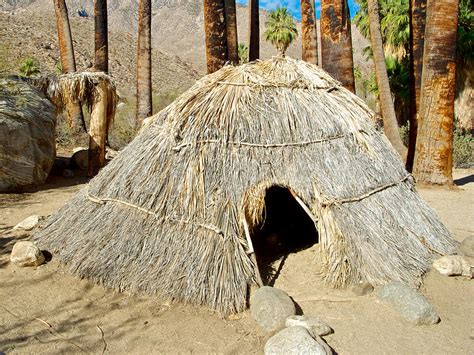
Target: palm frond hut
{"x":179,"y":210}
{"x":95,"y":89}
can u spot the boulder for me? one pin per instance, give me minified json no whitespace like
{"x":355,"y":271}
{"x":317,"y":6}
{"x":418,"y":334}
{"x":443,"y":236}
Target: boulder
{"x":28,"y":223}
{"x":270,"y":307}
{"x":410,"y":304}
{"x":467,"y":247}
{"x":25,"y":253}
{"x":27,"y":135}
{"x":295,"y":340}
{"x":80,"y":158}
{"x":314,"y":325}
{"x":362,"y":288}
{"x":452,"y":265}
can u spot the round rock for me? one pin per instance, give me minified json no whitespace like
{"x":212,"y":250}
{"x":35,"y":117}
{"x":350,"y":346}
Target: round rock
{"x":80,"y":158}
{"x":467,"y":247}
{"x":314,"y":325}
{"x":25,"y":253}
{"x":28,"y":223}
{"x":295,"y":340}
{"x":362,"y":288}
{"x":410,"y":304}
{"x":270,"y":307}
{"x":452,"y":265}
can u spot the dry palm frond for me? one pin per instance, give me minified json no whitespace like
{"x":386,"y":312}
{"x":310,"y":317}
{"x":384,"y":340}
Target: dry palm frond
{"x":165,"y":216}
{"x":66,"y":89}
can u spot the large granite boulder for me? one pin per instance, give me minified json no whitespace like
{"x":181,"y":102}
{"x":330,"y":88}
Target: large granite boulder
{"x":27,"y":135}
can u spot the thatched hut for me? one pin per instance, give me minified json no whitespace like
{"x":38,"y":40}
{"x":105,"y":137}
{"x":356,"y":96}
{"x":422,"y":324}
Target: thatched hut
{"x":274,"y":146}
{"x":95,"y":89}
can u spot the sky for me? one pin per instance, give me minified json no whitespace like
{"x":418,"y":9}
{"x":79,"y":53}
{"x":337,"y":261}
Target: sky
{"x":294,"y":6}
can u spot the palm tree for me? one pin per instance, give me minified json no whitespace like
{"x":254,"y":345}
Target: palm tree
{"x":231,"y":26}
{"x":309,"y":36}
{"x":280,"y":29}
{"x":216,"y":34}
{"x":394,"y":25}
{"x":434,"y":144}
{"x":66,"y":47}
{"x":144,"y":84}
{"x":385,"y":96}
{"x":254,"y":30}
{"x":101,"y":36}
{"x":336,"y":42}
{"x":68,"y":60}
{"x":417,"y":12}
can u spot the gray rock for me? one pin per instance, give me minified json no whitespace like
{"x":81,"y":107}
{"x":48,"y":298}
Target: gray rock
{"x":314,"y":325}
{"x":410,"y":304}
{"x":110,"y":154}
{"x":27,"y":135}
{"x":362,"y":288}
{"x":25,"y":253}
{"x":467,"y":247}
{"x":270,"y":307}
{"x":452,"y":265}
{"x":295,"y":340}
{"x":80,"y":158}
{"x":28,"y":223}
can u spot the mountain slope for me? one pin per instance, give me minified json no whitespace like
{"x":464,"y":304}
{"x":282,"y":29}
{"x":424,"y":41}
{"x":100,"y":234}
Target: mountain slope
{"x":178,"y":26}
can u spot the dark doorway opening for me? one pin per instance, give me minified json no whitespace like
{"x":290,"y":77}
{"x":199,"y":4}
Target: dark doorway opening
{"x":285,"y":228}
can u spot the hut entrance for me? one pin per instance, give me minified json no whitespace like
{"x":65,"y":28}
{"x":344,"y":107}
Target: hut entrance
{"x":285,"y":228}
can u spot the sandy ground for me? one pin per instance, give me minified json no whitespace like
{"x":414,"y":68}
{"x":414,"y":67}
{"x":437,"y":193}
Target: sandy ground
{"x":45,"y":310}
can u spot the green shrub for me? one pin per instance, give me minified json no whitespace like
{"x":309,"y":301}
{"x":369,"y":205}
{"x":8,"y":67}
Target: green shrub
{"x":462,"y":148}
{"x":404,"y":133}
{"x":29,"y":67}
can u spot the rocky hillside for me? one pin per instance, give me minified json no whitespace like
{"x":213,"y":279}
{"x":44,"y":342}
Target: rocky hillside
{"x":178,"y":26}
{"x":28,"y":33}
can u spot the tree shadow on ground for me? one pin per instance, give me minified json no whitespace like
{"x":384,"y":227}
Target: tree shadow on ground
{"x":76,"y":324}
{"x":464,"y":180}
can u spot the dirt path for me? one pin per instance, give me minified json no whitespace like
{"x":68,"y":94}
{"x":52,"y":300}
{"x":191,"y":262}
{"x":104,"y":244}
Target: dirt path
{"x":47,"y":310}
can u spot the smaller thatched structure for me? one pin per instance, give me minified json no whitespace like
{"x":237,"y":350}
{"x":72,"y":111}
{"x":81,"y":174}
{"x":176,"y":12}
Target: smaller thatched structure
{"x":95,"y":89}
{"x":264,"y":148}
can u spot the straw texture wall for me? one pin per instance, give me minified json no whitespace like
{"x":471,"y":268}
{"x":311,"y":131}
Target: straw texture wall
{"x":165,"y":216}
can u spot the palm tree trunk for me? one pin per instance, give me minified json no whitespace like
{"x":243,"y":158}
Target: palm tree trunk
{"x":254,"y":30}
{"x":336,"y":42}
{"x":417,"y":37}
{"x":231,"y":26}
{"x":385,"y":95}
{"x":434,"y":145}
{"x":144,"y":83}
{"x":101,"y":36}
{"x":68,"y":61}
{"x":98,"y":130}
{"x":309,"y":38}
{"x":216,"y":34}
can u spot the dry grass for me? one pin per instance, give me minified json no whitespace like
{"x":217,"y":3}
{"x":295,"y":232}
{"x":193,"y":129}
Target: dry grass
{"x":166,"y":215}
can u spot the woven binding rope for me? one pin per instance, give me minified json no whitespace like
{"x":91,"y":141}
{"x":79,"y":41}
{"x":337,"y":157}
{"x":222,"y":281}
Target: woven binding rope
{"x":339,"y":201}
{"x":103,"y":200}
{"x":261,"y":145}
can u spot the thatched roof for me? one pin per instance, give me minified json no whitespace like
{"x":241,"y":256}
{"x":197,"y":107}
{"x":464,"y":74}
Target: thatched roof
{"x":80,"y":87}
{"x":165,"y":216}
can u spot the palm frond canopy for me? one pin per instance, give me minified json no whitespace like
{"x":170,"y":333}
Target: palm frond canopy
{"x":178,"y":210}
{"x":280,"y":29}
